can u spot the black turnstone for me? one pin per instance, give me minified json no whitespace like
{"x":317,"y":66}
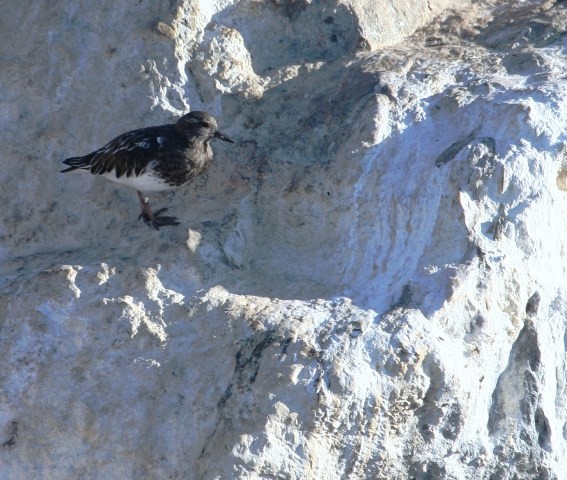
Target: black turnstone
{"x":155,"y":159}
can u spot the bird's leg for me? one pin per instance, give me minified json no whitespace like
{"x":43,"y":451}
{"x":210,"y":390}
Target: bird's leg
{"x":154,"y":219}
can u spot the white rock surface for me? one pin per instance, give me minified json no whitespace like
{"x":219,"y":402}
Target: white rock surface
{"x":371,"y":284}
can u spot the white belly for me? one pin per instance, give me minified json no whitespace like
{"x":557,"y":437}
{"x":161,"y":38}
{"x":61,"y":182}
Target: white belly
{"x":146,"y":182}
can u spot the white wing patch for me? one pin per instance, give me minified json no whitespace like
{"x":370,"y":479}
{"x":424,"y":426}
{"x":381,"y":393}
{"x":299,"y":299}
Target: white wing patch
{"x":143,"y":144}
{"x":125,"y":144}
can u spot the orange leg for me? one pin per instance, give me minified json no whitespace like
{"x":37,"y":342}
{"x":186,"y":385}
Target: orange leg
{"x":154,"y":219}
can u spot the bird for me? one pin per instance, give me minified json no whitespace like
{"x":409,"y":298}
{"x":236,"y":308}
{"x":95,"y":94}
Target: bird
{"x":157,"y":158}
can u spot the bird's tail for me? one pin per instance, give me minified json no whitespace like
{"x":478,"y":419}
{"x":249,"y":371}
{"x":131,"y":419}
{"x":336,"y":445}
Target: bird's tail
{"x":77,"y":163}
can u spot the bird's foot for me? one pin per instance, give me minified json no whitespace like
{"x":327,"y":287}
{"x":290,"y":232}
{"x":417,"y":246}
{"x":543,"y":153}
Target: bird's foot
{"x":154,"y":219}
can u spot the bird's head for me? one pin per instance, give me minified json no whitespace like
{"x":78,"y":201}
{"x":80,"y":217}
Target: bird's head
{"x":200,"y":124}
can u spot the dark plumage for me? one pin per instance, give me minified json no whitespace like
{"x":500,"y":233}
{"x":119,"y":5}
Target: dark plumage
{"x":155,"y":158}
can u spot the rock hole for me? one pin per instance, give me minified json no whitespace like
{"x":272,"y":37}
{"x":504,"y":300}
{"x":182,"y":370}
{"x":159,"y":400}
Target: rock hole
{"x":532,"y":304}
{"x":542,"y":428}
{"x":11,"y":433}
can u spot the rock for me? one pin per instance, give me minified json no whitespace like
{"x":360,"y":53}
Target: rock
{"x":370,"y":284}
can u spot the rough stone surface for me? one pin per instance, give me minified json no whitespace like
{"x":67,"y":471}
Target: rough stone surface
{"x":370,"y":284}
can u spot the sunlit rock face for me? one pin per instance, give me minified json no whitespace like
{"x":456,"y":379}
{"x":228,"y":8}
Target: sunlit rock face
{"x":369,"y":284}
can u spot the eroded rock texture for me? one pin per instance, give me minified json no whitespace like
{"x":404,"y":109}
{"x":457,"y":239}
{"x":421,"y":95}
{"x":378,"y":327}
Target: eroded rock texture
{"x":370,"y":284}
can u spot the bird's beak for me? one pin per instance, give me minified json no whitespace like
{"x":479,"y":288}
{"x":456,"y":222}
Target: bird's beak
{"x":222,"y":136}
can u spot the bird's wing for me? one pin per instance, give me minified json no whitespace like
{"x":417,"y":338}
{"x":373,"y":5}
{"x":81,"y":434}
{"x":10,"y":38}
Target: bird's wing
{"x":130,"y":152}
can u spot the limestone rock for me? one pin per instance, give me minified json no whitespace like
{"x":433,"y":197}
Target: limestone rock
{"x":370,"y":284}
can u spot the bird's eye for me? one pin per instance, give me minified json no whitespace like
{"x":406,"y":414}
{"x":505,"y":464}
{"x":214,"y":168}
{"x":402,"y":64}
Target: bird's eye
{"x":205,"y":124}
